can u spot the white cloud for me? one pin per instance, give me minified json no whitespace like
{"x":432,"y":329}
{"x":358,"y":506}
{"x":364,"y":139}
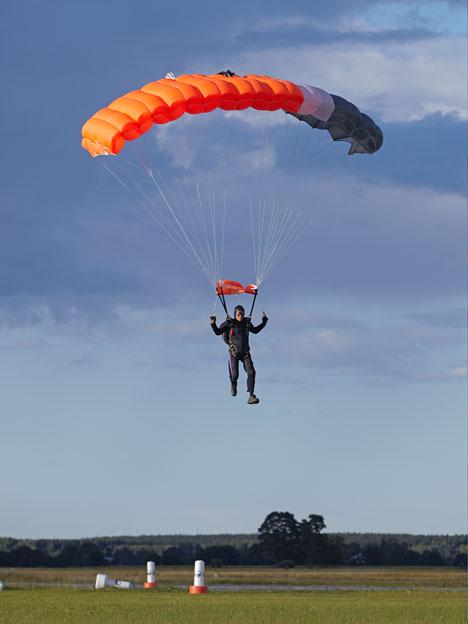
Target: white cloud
{"x":389,"y":349}
{"x":401,"y":81}
{"x":441,"y":375}
{"x":154,"y":320}
{"x":17,"y":342}
{"x":458,"y":372}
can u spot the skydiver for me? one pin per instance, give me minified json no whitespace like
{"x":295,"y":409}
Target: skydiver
{"x":235,"y":332}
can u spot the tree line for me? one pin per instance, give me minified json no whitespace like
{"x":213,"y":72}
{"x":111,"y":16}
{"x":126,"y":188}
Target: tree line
{"x":281,"y":540}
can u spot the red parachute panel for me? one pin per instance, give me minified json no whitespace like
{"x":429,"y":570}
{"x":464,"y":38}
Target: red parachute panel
{"x":229,"y":287}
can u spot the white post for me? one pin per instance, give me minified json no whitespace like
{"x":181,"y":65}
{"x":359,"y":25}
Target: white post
{"x":199,"y":574}
{"x":198,"y":586}
{"x":150,"y":575}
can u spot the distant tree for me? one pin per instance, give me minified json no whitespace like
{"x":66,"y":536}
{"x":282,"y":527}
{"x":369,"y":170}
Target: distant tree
{"x":316,"y":523}
{"x":26,"y":557}
{"x":334,"y":550}
{"x":88,"y":554}
{"x":142,"y":555}
{"x":174,"y":556}
{"x":228,"y":555}
{"x":102,"y":543}
{"x":124,"y":556}
{"x":279,"y":536}
{"x":431,"y":558}
{"x":312,"y":546}
{"x":55,"y":546}
{"x":372,"y":554}
{"x":395,"y":552}
{"x":187,"y":548}
{"x":255,"y":555}
{"x":460,"y":560}
{"x":42,"y":544}
{"x":66,"y":556}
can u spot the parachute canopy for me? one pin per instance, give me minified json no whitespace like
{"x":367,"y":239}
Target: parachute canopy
{"x":167,"y":99}
{"x":212,"y":174}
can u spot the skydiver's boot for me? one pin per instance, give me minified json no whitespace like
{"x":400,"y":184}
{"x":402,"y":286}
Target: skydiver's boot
{"x":234,"y":388}
{"x":252,"y":400}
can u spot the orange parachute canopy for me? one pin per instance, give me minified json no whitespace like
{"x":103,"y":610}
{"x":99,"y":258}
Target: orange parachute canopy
{"x":165,"y":100}
{"x":229,"y":287}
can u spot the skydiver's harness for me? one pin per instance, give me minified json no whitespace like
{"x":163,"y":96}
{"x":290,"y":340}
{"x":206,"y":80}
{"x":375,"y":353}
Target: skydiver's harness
{"x":227,"y":336}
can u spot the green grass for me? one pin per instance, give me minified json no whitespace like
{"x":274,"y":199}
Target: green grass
{"x":51,"y":605}
{"x":112,"y":606}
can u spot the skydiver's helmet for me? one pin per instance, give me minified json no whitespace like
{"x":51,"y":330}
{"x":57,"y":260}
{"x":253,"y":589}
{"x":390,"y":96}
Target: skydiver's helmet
{"x":240,"y":309}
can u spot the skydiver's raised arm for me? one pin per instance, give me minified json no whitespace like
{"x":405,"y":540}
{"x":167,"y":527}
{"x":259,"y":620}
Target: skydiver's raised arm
{"x":258,"y":328}
{"x":218,"y":330}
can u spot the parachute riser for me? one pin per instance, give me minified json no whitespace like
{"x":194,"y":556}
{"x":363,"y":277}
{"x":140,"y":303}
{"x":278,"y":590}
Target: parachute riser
{"x":223,"y":301}
{"x":253,"y":303}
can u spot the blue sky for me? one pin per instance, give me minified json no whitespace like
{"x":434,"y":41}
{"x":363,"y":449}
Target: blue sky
{"x":114,"y":400}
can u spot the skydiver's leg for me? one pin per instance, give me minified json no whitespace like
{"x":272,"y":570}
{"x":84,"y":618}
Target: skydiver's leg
{"x":233,"y":372}
{"x":250,"y":370}
{"x":233,"y":368}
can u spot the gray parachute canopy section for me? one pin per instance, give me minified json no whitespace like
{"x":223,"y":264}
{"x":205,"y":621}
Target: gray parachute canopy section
{"x":347,"y":123}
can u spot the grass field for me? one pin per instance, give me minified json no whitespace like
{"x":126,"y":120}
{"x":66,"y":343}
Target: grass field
{"x":418,"y":604}
{"x":407,"y":577}
{"x":81,"y":606}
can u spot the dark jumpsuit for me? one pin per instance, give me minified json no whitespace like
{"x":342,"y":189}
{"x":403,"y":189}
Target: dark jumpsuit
{"x":236,"y":334}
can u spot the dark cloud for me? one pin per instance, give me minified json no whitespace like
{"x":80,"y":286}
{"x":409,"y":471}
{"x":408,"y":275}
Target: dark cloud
{"x":286,"y":35}
{"x":428,"y":152}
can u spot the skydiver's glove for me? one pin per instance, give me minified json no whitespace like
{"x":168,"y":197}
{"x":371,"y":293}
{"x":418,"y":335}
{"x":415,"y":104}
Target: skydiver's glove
{"x":264,"y":318}
{"x":212,"y":319}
